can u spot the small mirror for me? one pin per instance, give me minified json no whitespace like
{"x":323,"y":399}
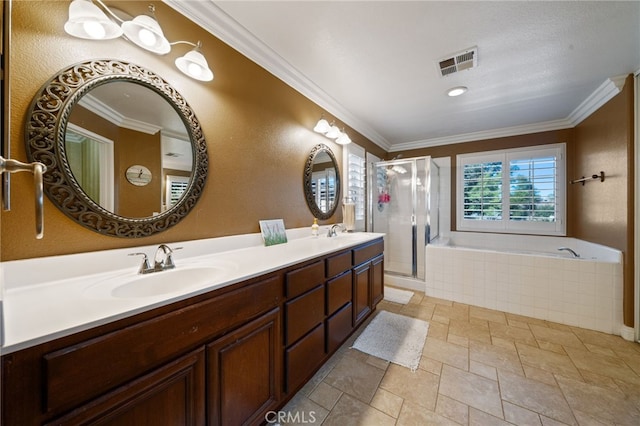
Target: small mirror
{"x":125,"y":154}
{"x":322,"y":182}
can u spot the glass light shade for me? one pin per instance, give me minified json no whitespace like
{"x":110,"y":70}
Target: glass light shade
{"x":333,"y":133}
{"x":343,"y":139}
{"x":87,"y":21}
{"x":322,"y":126}
{"x":194,"y":64}
{"x":145,"y":31}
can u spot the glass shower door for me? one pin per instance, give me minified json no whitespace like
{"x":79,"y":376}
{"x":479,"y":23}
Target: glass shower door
{"x":403,"y":192}
{"x":394,"y":214}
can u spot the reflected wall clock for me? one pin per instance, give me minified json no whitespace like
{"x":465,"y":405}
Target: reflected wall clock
{"x":138,"y":175}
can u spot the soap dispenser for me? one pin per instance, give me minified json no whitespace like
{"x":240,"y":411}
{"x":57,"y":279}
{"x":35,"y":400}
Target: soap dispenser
{"x":315,"y":228}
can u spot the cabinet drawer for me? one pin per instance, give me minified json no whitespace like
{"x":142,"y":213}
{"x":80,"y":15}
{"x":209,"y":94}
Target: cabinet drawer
{"x":364,"y":253}
{"x":172,"y":394}
{"x":303,"y":313}
{"x":338,"y":264}
{"x":80,"y":372}
{"x":339,"y":292}
{"x":303,"y":357}
{"x":338,"y":327}
{"x":303,"y":279}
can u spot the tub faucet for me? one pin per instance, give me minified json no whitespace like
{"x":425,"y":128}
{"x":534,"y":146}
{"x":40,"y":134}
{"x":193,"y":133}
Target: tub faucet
{"x":332,"y":230}
{"x":569,"y":250}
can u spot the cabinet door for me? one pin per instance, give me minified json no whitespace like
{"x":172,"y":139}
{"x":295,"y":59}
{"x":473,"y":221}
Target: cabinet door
{"x":361,"y":293}
{"x":244,"y":375}
{"x":377,"y":280}
{"x":171,"y":395}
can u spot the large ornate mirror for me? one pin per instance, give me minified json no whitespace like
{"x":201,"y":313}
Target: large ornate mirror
{"x":125,"y":153}
{"x":322,"y":182}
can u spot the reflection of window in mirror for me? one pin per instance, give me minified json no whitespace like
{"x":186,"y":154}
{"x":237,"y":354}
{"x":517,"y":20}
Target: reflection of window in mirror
{"x":90,"y":158}
{"x":323,"y":186}
{"x":175,"y":187}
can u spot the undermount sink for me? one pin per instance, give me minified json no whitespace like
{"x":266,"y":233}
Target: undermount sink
{"x":133,"y":286}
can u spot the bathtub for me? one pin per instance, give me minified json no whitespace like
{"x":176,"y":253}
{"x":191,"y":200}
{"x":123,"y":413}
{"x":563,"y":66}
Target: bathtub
{"x":527,"y":275}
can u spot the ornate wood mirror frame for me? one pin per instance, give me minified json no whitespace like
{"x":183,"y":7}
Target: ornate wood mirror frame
{"x":45,"y":142}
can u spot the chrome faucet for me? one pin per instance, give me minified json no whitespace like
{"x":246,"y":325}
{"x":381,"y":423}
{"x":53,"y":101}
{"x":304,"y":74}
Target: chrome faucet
{"x":158,"y":265}
{"x":569,"y":250}
{"x":167,"y":262}
{"x":332,"y":230}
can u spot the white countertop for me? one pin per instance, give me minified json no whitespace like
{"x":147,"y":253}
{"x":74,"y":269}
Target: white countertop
{"x":48,"y":298}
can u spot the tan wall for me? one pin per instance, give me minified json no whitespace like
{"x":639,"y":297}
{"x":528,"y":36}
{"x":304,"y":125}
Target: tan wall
{"x":139,"y":149}
{"x":258,"y":130}
{"x":603,"y":212}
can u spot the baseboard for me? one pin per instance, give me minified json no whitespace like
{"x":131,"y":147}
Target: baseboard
{"x":628,"y":333}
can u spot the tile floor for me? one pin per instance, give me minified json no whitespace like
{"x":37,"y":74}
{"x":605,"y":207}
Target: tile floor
{"x":479,"y":367}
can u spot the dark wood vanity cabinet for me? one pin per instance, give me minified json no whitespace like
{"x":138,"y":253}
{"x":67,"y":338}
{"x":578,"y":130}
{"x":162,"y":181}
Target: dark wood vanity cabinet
{"x":331,"y":298}
{"x":368,"y":287}
{"x":244,"y":372}
{"x":173,"y":365}
{"x":223,"y":358}
{"x":173,"y":394}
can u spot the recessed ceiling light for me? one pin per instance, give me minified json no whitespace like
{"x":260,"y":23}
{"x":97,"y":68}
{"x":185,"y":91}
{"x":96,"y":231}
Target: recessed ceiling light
{"x":457,"y":91}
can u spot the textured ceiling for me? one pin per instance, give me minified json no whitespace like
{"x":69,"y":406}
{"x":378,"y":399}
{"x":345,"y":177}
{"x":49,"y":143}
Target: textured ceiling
{"x":374,"y":64}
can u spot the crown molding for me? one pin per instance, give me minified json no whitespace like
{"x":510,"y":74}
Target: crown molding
{"x":603,"y":94}
{"x":483,"y":135}
{"x":213,"y":19}
{"x":111,"y":115}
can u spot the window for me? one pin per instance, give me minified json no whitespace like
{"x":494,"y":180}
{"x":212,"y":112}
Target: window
{"x":356,"y":184}
{"x":355,"y":188}
{"x":515,"y":190}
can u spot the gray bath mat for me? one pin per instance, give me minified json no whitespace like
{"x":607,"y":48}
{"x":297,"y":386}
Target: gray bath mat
{"x":395,"y":338}
{"x":396,"y":295}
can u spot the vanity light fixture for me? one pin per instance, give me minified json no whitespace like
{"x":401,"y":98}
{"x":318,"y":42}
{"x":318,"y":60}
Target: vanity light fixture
{"x":331,"y":131}
{"x":322,"y":126}
{"x":456,"y":91}
{"x":343,"y":139}
{"x":193,"y":63}
{"x":334,"y":132}
{"x":89,"y":21}
{"x":144,"y":31}
{"x":86,"y":20}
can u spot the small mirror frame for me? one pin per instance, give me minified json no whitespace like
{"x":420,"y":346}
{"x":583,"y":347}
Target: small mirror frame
{"x":308,"y":191}
{"x":45,"y":142}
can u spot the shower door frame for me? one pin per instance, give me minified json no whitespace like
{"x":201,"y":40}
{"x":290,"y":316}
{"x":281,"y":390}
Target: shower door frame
{"x":414,"y":207}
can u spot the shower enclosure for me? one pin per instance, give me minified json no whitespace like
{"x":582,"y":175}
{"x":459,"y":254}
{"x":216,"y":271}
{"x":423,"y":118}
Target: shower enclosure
{"x":404,"y":206}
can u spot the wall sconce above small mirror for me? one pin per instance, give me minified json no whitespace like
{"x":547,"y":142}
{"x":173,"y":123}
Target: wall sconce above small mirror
{"x":105,"y":127}
{"x":322,"y":182}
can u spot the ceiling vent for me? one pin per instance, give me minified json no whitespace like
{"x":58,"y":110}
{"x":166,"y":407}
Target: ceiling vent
{"x":463,"y":60}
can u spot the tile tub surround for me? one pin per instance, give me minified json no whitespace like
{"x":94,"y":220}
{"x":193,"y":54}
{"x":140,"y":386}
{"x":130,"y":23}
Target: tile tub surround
{"x":528,"y":276}
{"x":480,"y":367}
{"x":46,"y":298}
